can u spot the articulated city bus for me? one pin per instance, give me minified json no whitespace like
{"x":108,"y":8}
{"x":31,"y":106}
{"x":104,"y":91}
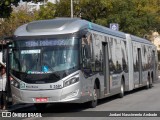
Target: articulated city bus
{"x":68,"y":60}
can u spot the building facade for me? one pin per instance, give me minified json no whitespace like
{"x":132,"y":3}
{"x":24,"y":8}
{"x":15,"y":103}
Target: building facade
{"x":31,"y":6}
{"x":156,"y":40}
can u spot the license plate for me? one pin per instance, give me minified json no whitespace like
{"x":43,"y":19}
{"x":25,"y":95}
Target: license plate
{"x":42,"y":99}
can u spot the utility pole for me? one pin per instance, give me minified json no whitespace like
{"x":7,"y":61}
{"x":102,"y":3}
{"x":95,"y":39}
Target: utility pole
{"x":43,"y":3}
{"x":71,"y":8}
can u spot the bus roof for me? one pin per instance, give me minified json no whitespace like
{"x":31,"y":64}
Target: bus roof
{"x":62,"y":26}
{"x":65,"y":26}
{"x":142,"y":40}
{"x":51,"y":27}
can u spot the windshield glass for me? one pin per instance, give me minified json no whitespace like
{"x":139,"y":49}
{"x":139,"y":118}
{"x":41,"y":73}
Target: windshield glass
{"x":54,"y":56}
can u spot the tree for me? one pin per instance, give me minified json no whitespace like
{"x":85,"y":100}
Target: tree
{"x":9,"y":25}
{"x":94,"y":10}
{"x":63,"y":8}
{"x":91,"y":10}
{"x":47,"y":12}
{"x":6,"y":9}
{"x":137,"y":17}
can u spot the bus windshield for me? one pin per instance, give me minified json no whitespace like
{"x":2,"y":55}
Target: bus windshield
{"x":39,"y":57}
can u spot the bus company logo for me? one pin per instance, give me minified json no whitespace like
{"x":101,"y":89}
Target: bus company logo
{"x":22,"y":85}
{"x":9,"y":114}
{"x":6,"y":114}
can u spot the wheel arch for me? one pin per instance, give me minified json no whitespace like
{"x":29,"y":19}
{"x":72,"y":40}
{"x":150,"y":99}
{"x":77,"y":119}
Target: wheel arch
{"x":97,"y":83}
{"x":152,"y":75}
{"x":123,"y":80}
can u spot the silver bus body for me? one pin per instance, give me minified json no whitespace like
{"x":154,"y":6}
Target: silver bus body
{"x":114,"y":57}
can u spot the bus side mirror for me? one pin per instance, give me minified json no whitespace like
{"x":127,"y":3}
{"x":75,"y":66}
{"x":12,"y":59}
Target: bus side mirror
{"x":86,"y":52}
{"x":86,"y":57}
{"x":4,"y":55}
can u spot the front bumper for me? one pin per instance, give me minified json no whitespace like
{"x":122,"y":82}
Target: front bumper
{"x":71,"y":94}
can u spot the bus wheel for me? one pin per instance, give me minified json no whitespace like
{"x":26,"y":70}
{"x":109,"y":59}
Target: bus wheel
{"x":151,"y":82}
{"x":93,"y":103}
{"x":121,"y":94}
{"x":147,"y":86}
{"x":40,"y":107}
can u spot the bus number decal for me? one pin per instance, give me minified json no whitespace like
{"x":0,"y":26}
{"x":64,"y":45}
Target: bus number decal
{"x":56,"y":86}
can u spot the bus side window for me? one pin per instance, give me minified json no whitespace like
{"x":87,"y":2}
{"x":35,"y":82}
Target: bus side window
{"x":86,"y":53}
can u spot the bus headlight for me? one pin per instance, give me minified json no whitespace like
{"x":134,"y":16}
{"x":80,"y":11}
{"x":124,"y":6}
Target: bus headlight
{"x":14,"y":83}
{"x":70,"y":81}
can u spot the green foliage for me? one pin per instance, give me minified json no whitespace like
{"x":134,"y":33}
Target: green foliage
{"x":5,"y":6}
{"x":63,"y":8}
{"x":33,"y":1}
{"x":93,"y":10}
{"x":137,"y":17}
{"x":9,"y":25}
{"x":47,"y":12}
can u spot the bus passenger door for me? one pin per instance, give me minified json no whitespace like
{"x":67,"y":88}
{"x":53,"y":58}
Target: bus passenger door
{"x":140,"y":65}
{"x":154,"y":65}
{"x":106,"y":68}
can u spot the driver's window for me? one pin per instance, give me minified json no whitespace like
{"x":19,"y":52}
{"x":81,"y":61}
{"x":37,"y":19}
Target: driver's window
{"x":15,"y":60}
{"x":86,"y":50}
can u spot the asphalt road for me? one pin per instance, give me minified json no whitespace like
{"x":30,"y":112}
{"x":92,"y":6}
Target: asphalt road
{"x":138,"y":101}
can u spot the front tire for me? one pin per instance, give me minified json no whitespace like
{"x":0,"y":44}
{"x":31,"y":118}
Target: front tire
{"x":148,"y":83}
{"x":93,"y":103}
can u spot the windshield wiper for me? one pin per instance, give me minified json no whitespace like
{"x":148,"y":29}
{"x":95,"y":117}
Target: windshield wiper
{"x":56,"y":75}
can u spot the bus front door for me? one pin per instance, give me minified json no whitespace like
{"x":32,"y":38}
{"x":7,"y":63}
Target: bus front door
{"x":106,"y":68}
{"x":140,"y":66}
{"x":154,"y":66}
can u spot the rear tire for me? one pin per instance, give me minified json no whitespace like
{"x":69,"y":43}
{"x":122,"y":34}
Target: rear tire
{"x":151,"y":82}
{"x":93,"y":103}
{"x":121,"y":94}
